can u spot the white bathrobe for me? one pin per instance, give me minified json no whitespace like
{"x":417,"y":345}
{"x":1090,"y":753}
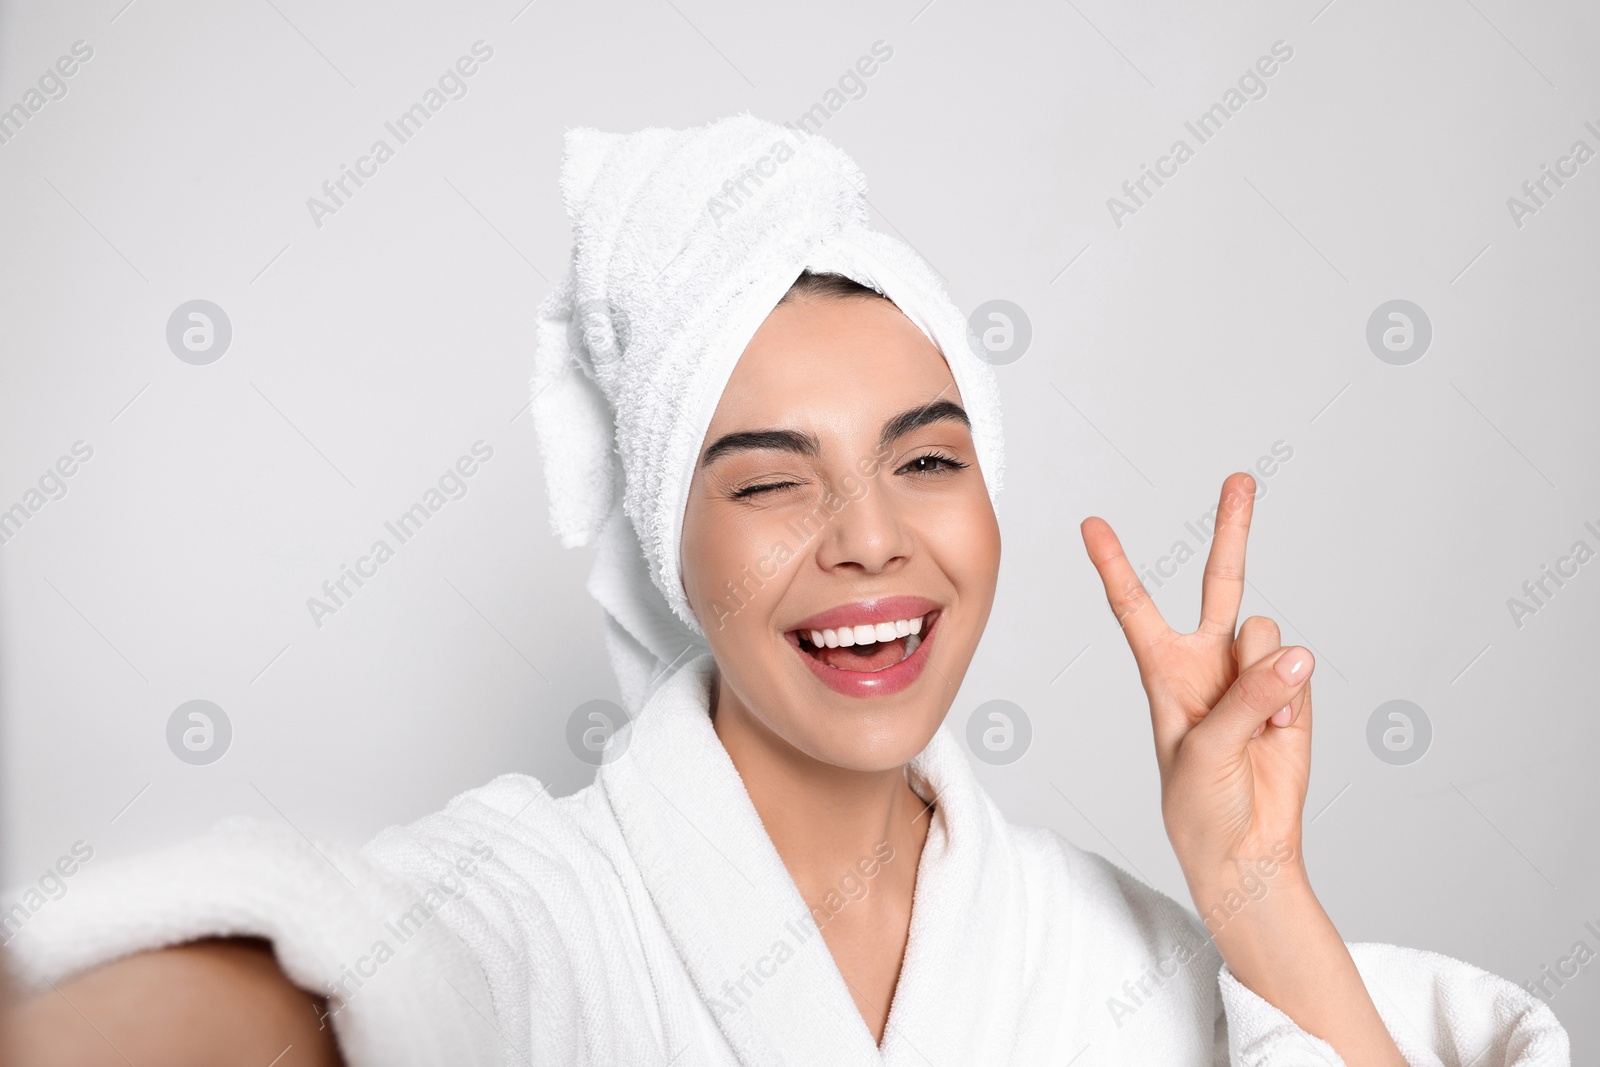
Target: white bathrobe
{"x":648,"y":920}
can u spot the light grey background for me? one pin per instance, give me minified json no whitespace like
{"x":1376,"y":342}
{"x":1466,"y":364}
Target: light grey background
{"x":1229,"y":313}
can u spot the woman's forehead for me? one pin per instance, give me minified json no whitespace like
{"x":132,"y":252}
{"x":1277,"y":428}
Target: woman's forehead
{"x":833,"y":361}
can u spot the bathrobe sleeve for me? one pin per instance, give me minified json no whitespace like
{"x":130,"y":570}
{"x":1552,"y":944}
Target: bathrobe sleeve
{"x":401,"y":991}
{"x":1440,"y":1011}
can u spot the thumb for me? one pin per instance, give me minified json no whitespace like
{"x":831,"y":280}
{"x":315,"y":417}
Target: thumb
{"x":1256,"y":694}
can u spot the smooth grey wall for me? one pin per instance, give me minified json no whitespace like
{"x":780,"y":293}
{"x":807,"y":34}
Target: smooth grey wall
{"x":1225,"y":314}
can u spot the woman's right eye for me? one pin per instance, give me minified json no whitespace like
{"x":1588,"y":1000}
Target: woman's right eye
{"x":752,"y":490}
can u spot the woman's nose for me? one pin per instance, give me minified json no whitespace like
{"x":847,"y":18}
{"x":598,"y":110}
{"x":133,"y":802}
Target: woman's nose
{"x":868,"y":532}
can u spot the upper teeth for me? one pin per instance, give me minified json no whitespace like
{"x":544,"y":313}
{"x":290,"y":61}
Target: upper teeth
{"x":866,"y":634}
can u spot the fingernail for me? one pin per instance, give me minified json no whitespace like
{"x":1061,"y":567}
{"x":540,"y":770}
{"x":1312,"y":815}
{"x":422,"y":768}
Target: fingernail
{"x":1282,"y":716}
{"x":1294,"y":666}
{"x":1258,"y":730}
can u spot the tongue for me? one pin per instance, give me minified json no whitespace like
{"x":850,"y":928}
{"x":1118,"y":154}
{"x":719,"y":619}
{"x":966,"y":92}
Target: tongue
{"x":864,"y":657}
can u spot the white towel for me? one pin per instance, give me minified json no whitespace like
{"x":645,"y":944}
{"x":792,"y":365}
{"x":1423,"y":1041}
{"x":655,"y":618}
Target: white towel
{"x":683,"y":241}
{"x":648,"y":919}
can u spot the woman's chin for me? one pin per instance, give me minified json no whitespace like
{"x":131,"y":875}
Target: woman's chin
{"x":865,"y":751}
{"x":844,"y":733}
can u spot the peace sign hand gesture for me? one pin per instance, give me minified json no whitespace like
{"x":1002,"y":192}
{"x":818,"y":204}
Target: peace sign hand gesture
{"x":1231,"y":715}
{"x":1232,"y":719}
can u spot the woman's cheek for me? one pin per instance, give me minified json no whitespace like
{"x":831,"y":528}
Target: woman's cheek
{"x":969,"y":542}
{"x":740,"y":567}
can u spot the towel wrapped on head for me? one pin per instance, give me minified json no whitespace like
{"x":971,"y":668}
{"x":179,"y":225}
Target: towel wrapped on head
{"x":683,"y":242}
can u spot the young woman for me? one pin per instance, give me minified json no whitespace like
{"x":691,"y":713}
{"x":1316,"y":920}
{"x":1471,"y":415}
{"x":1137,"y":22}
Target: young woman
{"x":785,"y":858}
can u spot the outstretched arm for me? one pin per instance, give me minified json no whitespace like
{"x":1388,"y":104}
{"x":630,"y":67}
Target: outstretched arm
{"x":1232,"y":723}
{"x":217,"y":1002}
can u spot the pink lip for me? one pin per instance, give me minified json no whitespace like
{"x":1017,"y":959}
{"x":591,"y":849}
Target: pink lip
{"x":869,"y":612}
{"x":882,"y":683}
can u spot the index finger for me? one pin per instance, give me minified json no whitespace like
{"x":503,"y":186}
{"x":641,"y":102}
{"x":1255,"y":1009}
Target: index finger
{"x":1141,"y":621}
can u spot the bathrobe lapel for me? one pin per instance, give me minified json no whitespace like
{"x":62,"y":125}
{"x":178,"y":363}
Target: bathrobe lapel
{"x":974,"y":927}
{"x":748,"y":940}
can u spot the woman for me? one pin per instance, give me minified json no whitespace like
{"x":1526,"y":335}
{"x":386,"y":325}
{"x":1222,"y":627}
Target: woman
{"x":769,"y":417}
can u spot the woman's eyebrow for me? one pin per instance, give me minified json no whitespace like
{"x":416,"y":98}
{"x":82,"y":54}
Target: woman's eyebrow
{"x":804,"y":444}
{"x":796,"y":441}
{"x":918,"y":417}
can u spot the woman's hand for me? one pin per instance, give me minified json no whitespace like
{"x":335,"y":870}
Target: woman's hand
{"x":1232,"y":721}
{"x":1232,"y":716}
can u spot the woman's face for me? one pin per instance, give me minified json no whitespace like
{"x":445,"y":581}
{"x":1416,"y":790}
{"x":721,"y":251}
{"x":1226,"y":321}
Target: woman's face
{"x":838,"y":488}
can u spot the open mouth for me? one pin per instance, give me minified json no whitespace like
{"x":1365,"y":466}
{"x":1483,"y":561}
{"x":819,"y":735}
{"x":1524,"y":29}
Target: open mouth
{"x":872,"y":659}
{"x":877,"y":648}
{"x":865,"y":649}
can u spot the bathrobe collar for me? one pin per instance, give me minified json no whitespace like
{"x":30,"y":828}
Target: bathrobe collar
{"x":748,"y":939}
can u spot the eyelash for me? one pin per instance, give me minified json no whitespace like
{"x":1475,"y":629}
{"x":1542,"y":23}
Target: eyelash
{"x":949,"y":461}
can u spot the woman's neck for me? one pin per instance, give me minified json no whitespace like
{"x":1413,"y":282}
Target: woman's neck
{"x":825,"y":821}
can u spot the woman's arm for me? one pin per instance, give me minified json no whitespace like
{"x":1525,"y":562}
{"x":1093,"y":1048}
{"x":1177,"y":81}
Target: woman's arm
{"x":1232,"y":724}
{"x":1286,"y":950}
{"x":216,"y":1003}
